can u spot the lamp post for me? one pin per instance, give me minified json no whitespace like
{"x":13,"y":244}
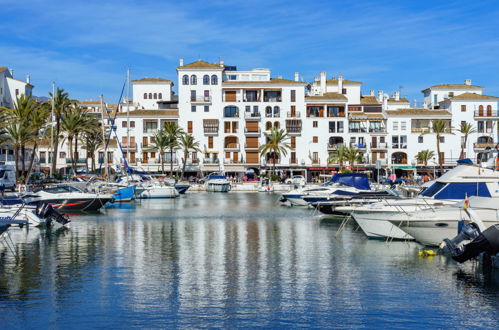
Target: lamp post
{"x":434,"y":165}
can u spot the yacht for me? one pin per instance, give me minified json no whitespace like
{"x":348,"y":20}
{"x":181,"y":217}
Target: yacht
{"x":15,"y":212}
{"x":155,"y":189}
{"x":67,"y":198}
{"x":217,"y":182}
{"x":434,"y":208}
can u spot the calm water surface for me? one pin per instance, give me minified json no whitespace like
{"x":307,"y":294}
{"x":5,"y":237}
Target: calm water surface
{"x":231,"y":260}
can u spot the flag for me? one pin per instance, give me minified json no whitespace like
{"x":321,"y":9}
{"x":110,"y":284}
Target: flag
{"x":466,"y":202}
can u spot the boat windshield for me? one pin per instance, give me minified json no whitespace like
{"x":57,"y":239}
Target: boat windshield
{"x":61,"y":190}
{"x":2,"y":173}
{"x":433,"y":189}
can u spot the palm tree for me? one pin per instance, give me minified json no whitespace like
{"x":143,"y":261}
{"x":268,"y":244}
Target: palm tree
{"x":73,"y":123}
{"x":38,"y":122}
{"x":61,"y":104}
{"x":187,"y":143}
{"x":173,"y":133}
{"x":424,"y":156}
{"x":338,"y":156}
{"x":93,"y":141}
{"x":466,"y":129}
{"x":276,"y":145}
{"x":439,"y":127}
{"x":161,"y":144}
{"x":353,"y":155}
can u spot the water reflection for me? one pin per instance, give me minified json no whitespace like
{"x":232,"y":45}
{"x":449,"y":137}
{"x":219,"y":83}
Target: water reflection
{"x":225,"y":260}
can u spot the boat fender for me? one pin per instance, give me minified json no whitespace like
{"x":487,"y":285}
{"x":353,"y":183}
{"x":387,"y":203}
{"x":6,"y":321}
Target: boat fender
{"x":426,"y":253}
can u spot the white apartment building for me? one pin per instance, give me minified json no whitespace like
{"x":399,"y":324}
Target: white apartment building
{"x":228,"y":111}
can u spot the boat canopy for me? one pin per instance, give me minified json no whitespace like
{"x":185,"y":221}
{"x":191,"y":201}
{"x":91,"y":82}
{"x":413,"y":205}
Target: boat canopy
{"x":457,"y":190}
{"x":356,"y":180}
{"x":465,"y":161}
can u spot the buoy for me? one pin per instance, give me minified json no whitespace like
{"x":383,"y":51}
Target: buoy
{"x":426,"y":253}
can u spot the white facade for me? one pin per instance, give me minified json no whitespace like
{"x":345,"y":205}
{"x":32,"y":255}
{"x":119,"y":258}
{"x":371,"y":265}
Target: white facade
{"x":11,"y":88}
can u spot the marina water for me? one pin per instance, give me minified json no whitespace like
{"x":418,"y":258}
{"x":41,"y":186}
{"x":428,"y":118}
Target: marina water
{"x":231,"y":260}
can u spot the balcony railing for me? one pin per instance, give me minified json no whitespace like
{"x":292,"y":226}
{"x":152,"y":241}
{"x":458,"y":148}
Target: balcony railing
{"x":357,"y":130}
{"x":377,"y":130}
{"x":272,"y":99}
{"x":78,"y":161}
{"x":253,"y":114}
{"x":379,"y":145}
{"x":358,"y":145}
{"x":316,"y":161}
{"x":150,"y":130}
{"x":333,"y":146}
{"x":210,"y":130}
{"x":486,"y":113}
{"x":340,"y":130}
{"x":232,"y":146}
{"x":252,"y":131}
{"x":420,"y":130}
{"x":295,"y":114}
{"x":485,"y":130}
{"x":293,"y":129}
{"x":211,"y":161}
{"x":272,"y":114}
{"x":201,"y":99}
{"x":399,"y":145}
{"x":484,"y":145}
{"x":129,"y":145}
{"x":251,"y":146}
{"x":231,"y":114}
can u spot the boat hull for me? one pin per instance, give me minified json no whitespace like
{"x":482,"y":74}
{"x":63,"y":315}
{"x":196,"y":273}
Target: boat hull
{"x":79,"y":205}
{"x":159,"y":192}
{"x":125,"y":194}
{"x":375,"y":225}
{"x":215,"y":187}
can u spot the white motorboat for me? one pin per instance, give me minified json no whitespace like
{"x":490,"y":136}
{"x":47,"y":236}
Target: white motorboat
{"x":21,"y":214}
{"x":432,"y":206}
{"x":157,"y":190}
{"x":216,"y":182}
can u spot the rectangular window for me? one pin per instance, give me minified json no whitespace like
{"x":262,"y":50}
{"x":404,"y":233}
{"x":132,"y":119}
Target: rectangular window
{"x":395,"y":142}
{"x":234,"y":127}
{"x":17,"y":91}
{"x":132,"y":124}
{"x":293,"y":95}
{"x":206,"y":96}
{"x":420,"y":139}
{"x":227,"y":127}
{"x":230,"y":96}
{"x":451,"y":94}
{"x":315,"y":123}
{"x":315,"y":139}
{"x":395,"y":125}
{"x":206,"y":108}
{"x":403,"y":141}
{"x":343,"y":91}
{"x":210,"y":142}
{"x":315,"y":157}
{"x":193,"y":108}
{"x":332,"y":127}
{"x":293,"y":142}
{"x":189,"y":127}
{"x":62,"y":154}
{"x":123,"y":123}
{"x":403,"y":125}
{"x":442,"y":139}
{"x":293,"y":157}
{"x":193,"y":95}
{"x":463,"y":107}
{"x":248,"y":108}
{"x":339,"y":127}
{"x":293,"y":111}
{"x":435,"y":99}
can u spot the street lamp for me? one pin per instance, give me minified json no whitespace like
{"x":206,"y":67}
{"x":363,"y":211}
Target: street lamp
{"x":434,"y":166}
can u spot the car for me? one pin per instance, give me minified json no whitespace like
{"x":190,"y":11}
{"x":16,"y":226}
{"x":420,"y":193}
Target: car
{"x":296,"y":180}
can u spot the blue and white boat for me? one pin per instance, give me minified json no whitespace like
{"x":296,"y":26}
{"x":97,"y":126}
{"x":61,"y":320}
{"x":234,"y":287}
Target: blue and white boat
{"x":217,"y":182}
{"x":124,"y":194}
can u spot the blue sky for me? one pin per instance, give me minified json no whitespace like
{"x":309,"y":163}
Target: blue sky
{"x":86,"y":46}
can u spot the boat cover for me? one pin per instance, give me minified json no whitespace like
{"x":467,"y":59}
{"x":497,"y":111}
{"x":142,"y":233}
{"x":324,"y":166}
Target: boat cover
{"x":356,"y":180}
{"x":465,"y":161}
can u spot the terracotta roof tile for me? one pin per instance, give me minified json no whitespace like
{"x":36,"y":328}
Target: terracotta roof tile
{"x":453,"y":86}
{"x":152,"y":80}
{"x":417,"y":111}
{"x":165,"y":113}
{"x":473,"y":96}
{"x":199,"y":64}
{"x":363,"y":115}
{"x":326,"y":96}
{"x":368,"y":100}
{"x":347,"y":82}
{"x":401,"y":100}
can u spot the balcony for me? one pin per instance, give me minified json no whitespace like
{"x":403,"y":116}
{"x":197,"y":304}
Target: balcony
{"x":339,"y":130}
{"x":129,"y":146}
{"x":210,"y":131}
{"x":486,"y":114}
{"x":482,"y":146}
{"x":78,"y":161}
{"x":201,"y":100}
{"x":421,"y":130}
{"x":252,"y":132}
{"x":293,"y":130}
{"x":209,"y":161}
{"x":487,"y":130}
{"x":379,"y":146}
{"x":377,"y":130}
{"x":333,"y":146}
{"x":399,"y":145}
{"x":231,"y":147}
{"x":149,"y":130}
{"x":357,"y":130}
{"x":253,"y":115}
{"x":251,"y":146}
{"x":231,"y":114}
{"x":295,"y":114}
{"x":316,"y":161}
{"x":361,"y":146}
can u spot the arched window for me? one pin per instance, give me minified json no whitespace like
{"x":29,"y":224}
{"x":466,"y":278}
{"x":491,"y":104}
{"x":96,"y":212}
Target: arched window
{"x":155,"y":96}
{"x":276,"y":124}
{"x":160,"y":96}
{"x":150,"y":95}
{"x":231,"y":111}
{"x":268,"y":125}
{"x":145,"y":95}
{"x":206,"y":79}
{"x":194,"y":80}
{"x":489,"y":111}
{"x":214,"y":80}
{"x":276,"y":111}
{"x":268,"y":112}
{"x":185,"y":80}
{"x":480,"y":110}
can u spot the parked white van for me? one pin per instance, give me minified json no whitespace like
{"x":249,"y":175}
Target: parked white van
{"x":7,"y":177}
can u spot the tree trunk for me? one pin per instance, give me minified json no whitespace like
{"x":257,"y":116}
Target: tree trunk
{"x":439,"y":158}
{"x":93,"y":161}
{"x":273,"y":166}
{"x":16,"y":159}
{"x":171,"y":161}
{"x":23,"y":164}
{"x":76,"y":152}
{"x":162,"y":155}
{"x":70,"y":144}
{"x":464,"y":146}
{"x":186,"y":153}
{"x":56,"y":145}
{"x":31,"y":161}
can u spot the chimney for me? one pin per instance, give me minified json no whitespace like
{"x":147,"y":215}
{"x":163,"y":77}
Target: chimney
{"x":371,"y":92}
{"x":323,"y":82}
{"x":297,"y":76}
{"x":340,"y":84}
{"x":425,"y":105}
{"x":222,"y":62}
{"x":279,"y":76}
{"x":396,"y":95}
{"x":28,"y":79}
{"x":181,"y":61}
{"x":380,"y":96}
{"x":467,"y":82}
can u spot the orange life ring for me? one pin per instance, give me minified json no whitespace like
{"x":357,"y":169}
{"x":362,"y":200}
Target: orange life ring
{"x":497,"y":163}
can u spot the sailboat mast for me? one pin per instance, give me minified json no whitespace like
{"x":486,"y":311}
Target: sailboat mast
{"x":104,"y":135}
{"x":128,"y":145}
{"x":52,"y":128}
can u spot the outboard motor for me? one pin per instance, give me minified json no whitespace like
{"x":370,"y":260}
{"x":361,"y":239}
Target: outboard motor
{"x":486,"y":242}
{"x":468,"y":233}
{"x":46,"y":211}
